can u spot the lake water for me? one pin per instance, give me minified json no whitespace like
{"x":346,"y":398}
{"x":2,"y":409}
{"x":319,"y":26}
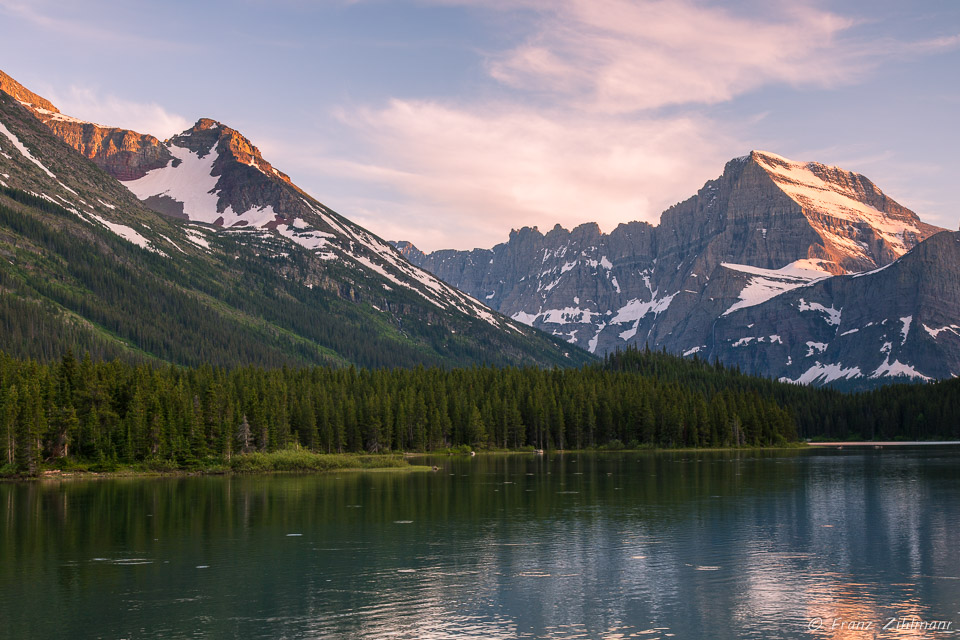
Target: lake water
{"x":812,"y":544}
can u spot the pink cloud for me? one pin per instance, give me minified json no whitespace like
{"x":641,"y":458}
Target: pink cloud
{"x":476,"y":173}
{"x":618,"y":56}
{"x":110,"y":110}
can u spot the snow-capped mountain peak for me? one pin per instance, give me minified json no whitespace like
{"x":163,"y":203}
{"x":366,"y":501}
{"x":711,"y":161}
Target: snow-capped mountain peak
{"x":767,"y":229}
{"x":217,"y":177}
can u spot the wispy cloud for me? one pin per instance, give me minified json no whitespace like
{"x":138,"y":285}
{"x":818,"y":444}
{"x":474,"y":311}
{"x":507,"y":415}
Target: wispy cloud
{"x":619,"y":56}
{"x":109,"y":110}
{"x":494,"y":168}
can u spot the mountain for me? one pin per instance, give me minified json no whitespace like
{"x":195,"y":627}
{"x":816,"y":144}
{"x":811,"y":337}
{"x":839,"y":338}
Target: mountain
{"x":766,"y":226}
{"x":233,"y":264}
{"x":122,"y":153}
{"x":901,"y":320}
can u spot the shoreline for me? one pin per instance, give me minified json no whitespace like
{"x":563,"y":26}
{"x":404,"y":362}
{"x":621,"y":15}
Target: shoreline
{"x":51,"y":475}
{"x":287,"y":461}
{"x":300,"y":462}
{"x":887,"y":443}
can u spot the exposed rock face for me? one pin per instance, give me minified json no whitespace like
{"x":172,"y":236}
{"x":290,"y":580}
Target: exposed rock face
{"x":26,"y":97}
{"x":899,"y":320}
{"x":765,"y":226}
{"x":122,"y":153}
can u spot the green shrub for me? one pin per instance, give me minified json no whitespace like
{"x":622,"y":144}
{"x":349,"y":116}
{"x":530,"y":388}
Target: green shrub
{"x":613,"y":445}
{"x":302,"y":461}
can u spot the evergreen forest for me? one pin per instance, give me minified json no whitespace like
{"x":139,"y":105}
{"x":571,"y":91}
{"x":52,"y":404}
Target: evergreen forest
{"x":114,"y":412}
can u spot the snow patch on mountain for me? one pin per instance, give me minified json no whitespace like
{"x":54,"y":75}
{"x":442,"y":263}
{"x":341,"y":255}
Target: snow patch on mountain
{"x":311,"y":239}
{"x":127,"y":233}
{"x":905,"y":330}
{"x":569,"y":315}
{"x":23,"y":150}
{"x":824,"y":373}
{"x":635,"y":309}
{"x":525,"y":318}
{"x":191,"y":182}
{"x":196,"y":237}
{"x":873,"y":271}
{"x":953,"y":328}
{"x":54,"y":115}
{"x":832,"y":315}
{"x":815,"y":347}
{"x":770,"y":283}
{"x":898,"y":369}
{"x":592,"y":345}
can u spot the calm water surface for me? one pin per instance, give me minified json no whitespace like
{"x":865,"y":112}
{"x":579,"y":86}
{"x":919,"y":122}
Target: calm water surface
{"x":723,"y":545}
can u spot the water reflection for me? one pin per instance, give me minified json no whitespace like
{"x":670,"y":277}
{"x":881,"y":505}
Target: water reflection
{"x":720,"y":545}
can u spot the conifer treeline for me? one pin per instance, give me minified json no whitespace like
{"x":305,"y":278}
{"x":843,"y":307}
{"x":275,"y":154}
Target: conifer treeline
{"x":114,"y":411}
{"x":117,"y":412}
{"x":893,"y":412}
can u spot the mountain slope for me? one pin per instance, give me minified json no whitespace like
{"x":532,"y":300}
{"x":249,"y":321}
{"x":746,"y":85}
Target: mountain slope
{"x":122,"y":153}
{"x":87,"y":265}
{"x":900,"y":320}
{"x":766,"y":226}
{"x":219,"y":178}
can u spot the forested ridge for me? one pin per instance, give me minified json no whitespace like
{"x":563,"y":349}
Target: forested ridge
{"x":68,"y":285}
{"x":111,"y":412}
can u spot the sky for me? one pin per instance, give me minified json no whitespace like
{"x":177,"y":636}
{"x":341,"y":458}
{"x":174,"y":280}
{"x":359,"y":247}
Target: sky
{"x":450,"y":122}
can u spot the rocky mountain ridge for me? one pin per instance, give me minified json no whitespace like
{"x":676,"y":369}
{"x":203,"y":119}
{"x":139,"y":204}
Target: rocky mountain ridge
{"x":122,"y":153}
{"x":325,"y":289}
{"x":766,"y":226}
{"x":899,"y":321}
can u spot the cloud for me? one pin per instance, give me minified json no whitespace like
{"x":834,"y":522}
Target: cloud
{"x":618,"y":56}
{"x":109,"y":110}
{"x":479,"y":172}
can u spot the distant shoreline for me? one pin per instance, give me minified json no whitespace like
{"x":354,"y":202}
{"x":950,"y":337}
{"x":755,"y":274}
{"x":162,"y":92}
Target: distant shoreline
{"x":891,"y":443}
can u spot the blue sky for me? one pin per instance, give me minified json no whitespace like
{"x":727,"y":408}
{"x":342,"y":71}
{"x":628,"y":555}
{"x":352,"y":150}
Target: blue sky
{"x":449,"y":122}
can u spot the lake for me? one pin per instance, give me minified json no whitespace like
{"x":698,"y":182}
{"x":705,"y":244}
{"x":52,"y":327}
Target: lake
{"x":758,"y":544}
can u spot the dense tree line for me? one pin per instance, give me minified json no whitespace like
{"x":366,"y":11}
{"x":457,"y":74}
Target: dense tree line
{"x":899,"y":411}
{"x":118,"y":412}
